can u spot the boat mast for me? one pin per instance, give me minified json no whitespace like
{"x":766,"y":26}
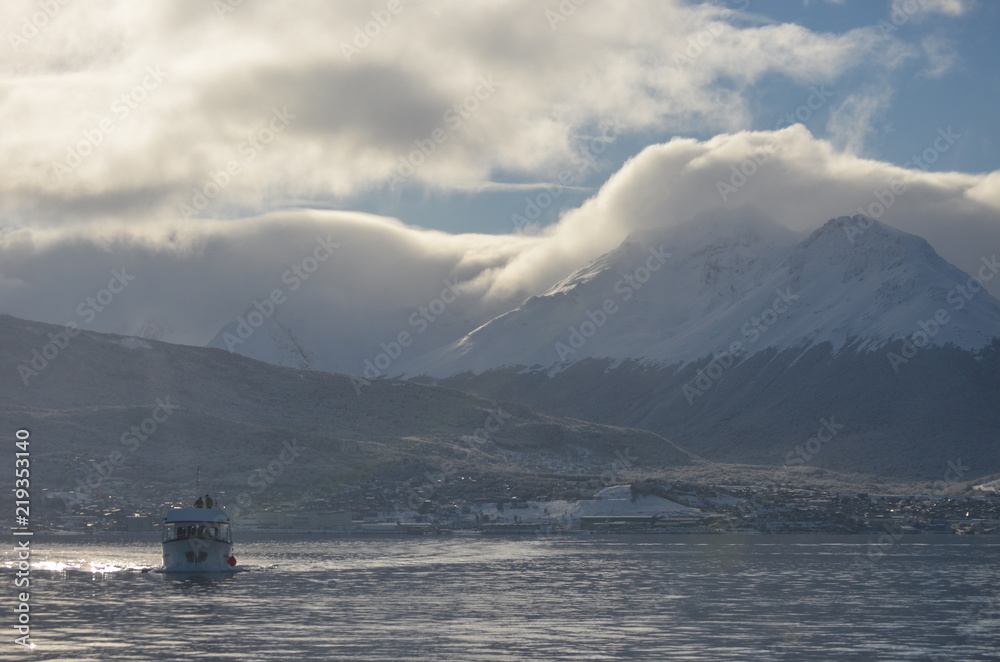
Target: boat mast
{"x":197,"y":480}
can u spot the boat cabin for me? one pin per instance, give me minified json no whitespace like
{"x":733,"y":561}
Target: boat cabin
{"x":201,"y":523}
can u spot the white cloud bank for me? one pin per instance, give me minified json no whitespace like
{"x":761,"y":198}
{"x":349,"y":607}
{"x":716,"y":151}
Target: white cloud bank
{"x":129,"y":112}
{"x":190,"y":279}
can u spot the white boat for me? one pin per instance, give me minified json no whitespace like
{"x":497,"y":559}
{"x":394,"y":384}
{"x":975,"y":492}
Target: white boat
{"x":198,"y":540}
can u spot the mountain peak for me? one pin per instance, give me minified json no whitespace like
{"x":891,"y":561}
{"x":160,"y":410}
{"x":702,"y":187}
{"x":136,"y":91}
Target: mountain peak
{"x":860,"y":244}
{"x":861,"y":230}
{"x":853,"y":281}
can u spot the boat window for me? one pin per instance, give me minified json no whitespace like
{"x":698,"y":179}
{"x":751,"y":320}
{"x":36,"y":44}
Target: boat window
{"x":174,"y":532}
{"x":214,"y":531}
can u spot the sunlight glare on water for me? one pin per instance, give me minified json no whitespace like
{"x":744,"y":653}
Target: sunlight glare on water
{"x":472,"y":598}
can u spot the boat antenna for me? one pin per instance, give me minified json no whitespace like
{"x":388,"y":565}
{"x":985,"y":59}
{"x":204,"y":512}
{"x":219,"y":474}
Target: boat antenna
{"x":197,"y":480}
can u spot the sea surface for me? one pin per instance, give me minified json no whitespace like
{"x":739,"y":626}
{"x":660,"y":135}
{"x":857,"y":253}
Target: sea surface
{"x":470,"y":598}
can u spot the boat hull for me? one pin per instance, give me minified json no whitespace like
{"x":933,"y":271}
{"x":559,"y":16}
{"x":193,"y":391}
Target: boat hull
{"x":197,"y":555}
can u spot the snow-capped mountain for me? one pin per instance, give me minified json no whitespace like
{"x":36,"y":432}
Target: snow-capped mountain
{"x":673,"y":297}
{"x":740,"y":342}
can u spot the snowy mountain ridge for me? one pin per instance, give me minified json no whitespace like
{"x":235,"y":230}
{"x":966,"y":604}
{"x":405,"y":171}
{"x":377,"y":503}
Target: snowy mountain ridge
{"x":674,"y":296}
{"x":748,"y":336}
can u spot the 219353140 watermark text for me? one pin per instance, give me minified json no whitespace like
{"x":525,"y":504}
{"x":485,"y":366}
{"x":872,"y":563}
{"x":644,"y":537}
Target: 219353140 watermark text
{"x":22,"y":538}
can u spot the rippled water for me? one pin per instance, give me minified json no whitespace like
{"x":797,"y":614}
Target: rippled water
{"x":477,"y":598}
